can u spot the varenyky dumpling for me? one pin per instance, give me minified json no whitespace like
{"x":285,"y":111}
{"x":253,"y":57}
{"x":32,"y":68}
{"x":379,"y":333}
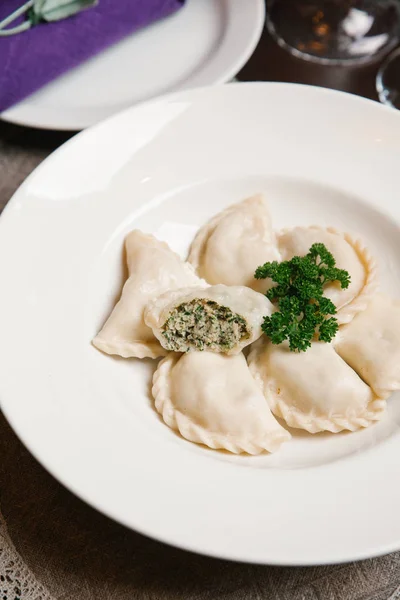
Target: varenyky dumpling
{"x":230,"y":247}
{"x":314,"y":390}
{"x":371,"y":344}
{"x":212,"y":399}
{"x":153,"y":268}
{"x":217,"y":318}
{"x":349,"y":253}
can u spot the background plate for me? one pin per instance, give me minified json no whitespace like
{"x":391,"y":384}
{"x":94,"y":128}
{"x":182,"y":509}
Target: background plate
{"x":206,"y":42}
{"x":321,"y":157}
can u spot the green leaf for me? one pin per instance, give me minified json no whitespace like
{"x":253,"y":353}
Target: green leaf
{"x":326,"y":306}
{"x":320,"y":250}
{"x":268,"y":270}
{"x":328,"y":330}
{"x":55,"y":10}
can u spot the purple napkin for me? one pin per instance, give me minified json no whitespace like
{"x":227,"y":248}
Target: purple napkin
{"x":30,"y":59}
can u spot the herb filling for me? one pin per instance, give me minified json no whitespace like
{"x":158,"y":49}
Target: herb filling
{"x":203,"y":325}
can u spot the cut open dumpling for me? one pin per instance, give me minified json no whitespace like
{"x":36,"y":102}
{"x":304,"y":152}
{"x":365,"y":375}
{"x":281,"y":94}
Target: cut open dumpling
{"x":230,"y":247}
{"x":217,"y":318}
{"x":212,"y":399}
{"x":153,"y":268}
{"x":371,"y":344}
{"x":314,"y":390}
{"x":349,"y":253}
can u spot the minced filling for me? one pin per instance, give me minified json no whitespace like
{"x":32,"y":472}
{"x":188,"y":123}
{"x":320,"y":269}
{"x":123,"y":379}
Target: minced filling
{"x":203,"y":324}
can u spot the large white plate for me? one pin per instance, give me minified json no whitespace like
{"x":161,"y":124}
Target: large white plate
{"x":206,"y":42}
{"x":166,"y":166}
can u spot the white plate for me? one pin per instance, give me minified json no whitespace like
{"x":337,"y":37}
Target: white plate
{"x":206,"y":42}
{"x":165,"y":167}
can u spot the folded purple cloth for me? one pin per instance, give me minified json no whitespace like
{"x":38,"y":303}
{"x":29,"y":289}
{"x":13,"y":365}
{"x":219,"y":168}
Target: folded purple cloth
{"x":30,"y":59}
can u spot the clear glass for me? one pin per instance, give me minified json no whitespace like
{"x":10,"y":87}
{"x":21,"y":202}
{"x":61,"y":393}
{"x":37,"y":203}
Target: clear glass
{"x":335,"y":31}
{"x":388,"y":80}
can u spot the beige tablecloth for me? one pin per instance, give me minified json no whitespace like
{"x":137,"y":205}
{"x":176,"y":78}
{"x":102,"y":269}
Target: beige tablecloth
{"x":58,"y":547}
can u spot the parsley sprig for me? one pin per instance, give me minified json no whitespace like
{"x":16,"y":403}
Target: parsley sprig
{"x":299,"y":295}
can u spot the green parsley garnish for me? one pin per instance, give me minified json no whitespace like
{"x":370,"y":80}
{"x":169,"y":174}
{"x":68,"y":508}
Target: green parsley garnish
{"x":299,"y":295}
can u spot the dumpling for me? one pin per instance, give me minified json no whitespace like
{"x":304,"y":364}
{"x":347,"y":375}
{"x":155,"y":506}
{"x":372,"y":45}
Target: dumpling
{"x":153,"y":268}
{"x":314,"y":390}
{"x":218,"y":318}
{"x":350,"y":254}
{"x":230,"y":247}
{"x":371,"y":344}
{"x":212,"y":399}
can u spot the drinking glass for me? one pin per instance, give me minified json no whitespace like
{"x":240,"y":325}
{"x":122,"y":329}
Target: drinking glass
{"x":335,"y":31}
{"x":388,"y":80}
